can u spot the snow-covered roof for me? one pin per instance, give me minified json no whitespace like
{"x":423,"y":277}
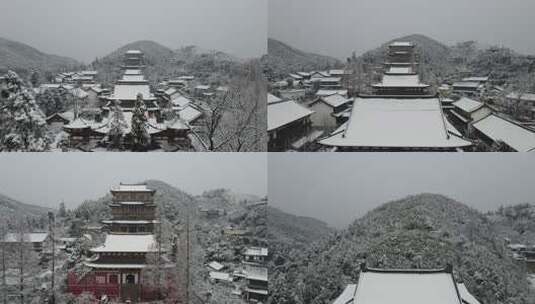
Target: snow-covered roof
{"x":114,"y":266}
{"x":295,"y":76}
{"x":256,"y":251}
{"x":131,"y":188}
{"x":129,"y":222}
{"x":406,"y":287}
{"x":89,"y":73}
{"x":202,"y":87}
{"x":215,"y":265}
{"x":395,"y":123}
{"x":33,"y":237}
{"x":467,"y":297}
{"x":133,"y":78}
{"x":476,"y":79}
{"x":132,"y":72}
{"x":77,"y":123}
{"x":68,"y":115}
{"x":347,"y":296}
{"x":399,"y":70}
{"x":272,"y":98}
{"x":330,"y":79}
{"x":466,"y":84}
{"x":134,"y":52}
{"x":131,"y":203}
{"x":401,"y":43}
{"x":256,"y":273}
{"x":127,"y":243}
{"x":170,"y":91}
{"x":285,"y":112}
{"x":524,"y":97}
{"x":176,"y":124}
{"x":335,"y":100}
{"x":189,"y":113}
{"x":180,"y":101}
{"x":129,"y":91}
{"x":401,"y":81}
{"x":331,"y":92}
{"x":222,"y":276}
{"x":498,"y":129}
{"x":468,"y":105}
{"x":79,"y":93}
{"x":304,"y":74}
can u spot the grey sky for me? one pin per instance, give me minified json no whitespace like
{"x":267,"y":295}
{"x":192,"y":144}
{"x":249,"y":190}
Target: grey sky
{"x":338,"y":27}
{"x":87,"y":29}
{"x":337,"y":188}
{"x":48,"y":178}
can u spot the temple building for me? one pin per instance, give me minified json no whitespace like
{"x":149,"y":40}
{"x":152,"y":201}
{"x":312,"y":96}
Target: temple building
{"x":116,"y":267}
{"x":415,"y":286}
{"x":169,"y":134}
{"x":402,"y":114}
{"x":131,"y":84}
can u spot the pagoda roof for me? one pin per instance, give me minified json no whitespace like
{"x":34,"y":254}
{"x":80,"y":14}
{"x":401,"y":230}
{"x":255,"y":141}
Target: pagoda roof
{"x":131,"y":222}
{"x":131,"y":188}
{"x":400,"y":81}
{"x":131,"y":243}
{"x":114,"y":265}
{"x":256,"y":251}
{"x":401,"y":43}
{"x":406,"y":286}
{"x":396,"y":123}
{"x":132,"y":72}
{"x":130,"y":92}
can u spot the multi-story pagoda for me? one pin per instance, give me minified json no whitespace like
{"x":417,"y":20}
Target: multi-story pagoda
{"x":115,"y":267}
{"x":401,"y":72}
{"x":132,"y":83}
{"x":400,"y":115}
{"x":134,"y":59}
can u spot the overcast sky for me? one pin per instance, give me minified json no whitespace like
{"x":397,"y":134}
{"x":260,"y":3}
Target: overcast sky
{"x":338,"y":188}
{"x":338,"y":27}
{"x":48,"y":178}
{"x":87,"y":29}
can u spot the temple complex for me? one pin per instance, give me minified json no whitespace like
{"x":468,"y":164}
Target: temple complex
{"x":400,"y":115}
{"x":167,"y":133}
{"x":116,"y":268}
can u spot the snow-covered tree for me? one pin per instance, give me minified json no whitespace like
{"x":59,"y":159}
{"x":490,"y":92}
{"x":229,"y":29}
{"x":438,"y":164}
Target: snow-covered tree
{"x":22,"y":123}
{"x":117,"y":127}
{"x":140,"y":135}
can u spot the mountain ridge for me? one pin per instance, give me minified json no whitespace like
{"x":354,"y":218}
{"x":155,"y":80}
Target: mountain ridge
{"x":22,"y":57}
{"x":420,"y":231}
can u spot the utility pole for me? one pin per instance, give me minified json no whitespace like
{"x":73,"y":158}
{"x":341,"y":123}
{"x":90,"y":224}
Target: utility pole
{"x":187,"y":258}
{"x":51,"y":225}
{"x":4,"y":289}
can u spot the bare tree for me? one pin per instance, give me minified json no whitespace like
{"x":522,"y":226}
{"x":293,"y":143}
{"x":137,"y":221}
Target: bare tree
{"x":243,"y":122}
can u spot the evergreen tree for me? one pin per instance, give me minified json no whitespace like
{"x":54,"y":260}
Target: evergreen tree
{"x":62,"y":211}
{"x":22,"y":123}
{"x":140,"y":135}
{"x":34,"y":79}
{"x":117,"y":127}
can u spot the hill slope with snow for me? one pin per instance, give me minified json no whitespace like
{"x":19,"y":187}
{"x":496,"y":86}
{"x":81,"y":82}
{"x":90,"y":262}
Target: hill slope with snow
{"x":421,"y":231}
{"x":24,"y":58}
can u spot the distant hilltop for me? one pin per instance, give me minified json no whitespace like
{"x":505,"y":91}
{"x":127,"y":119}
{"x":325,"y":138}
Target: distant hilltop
{"x":283,"y":59}
{"x":24,"y":58}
